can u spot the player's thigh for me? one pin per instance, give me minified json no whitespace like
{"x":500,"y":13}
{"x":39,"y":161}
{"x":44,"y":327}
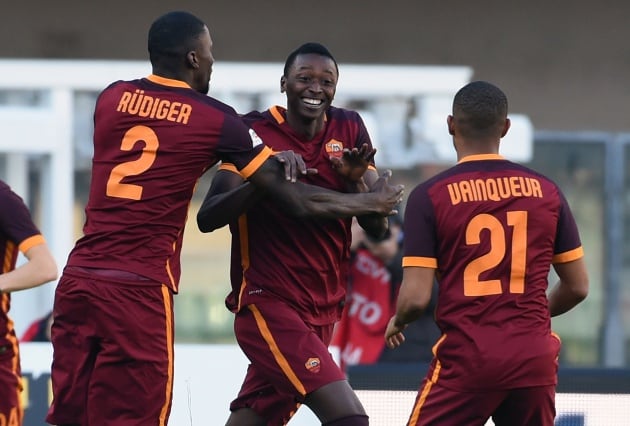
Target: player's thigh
{"x":75,"y":345}
{"x":437,"y":405}
{"x":287,"y":352}
{"x":527,"y":406}
{"x":133,"y":374}
{"x":10,"y":389}
{"x":259,"y":402}
{"x":334,"y":401}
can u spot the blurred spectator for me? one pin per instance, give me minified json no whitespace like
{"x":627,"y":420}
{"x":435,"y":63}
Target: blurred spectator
{"x":39,"y":330}
{"x":374,"y":278}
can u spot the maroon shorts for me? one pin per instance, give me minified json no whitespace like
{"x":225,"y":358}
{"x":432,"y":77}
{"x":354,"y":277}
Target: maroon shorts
{"x":436,"y":405}
{"x":11,"y":410}
{"x":113,"y":350}
{"x":289,"y":359}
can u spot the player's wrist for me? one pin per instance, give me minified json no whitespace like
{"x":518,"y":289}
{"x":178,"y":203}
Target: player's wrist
{"x":399,"y":322}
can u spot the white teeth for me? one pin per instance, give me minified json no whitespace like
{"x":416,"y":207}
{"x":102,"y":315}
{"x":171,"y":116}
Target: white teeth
{"x":312,"y":101}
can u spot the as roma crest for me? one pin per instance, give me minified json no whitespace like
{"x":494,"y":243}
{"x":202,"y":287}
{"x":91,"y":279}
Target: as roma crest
{"x":334,"y":148}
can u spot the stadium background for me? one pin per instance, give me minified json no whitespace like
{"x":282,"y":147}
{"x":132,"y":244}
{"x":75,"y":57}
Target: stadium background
{"x":563,"y":64}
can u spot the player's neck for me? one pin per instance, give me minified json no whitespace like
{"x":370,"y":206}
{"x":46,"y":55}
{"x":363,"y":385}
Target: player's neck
{"x":305,"y":126}
{"x":476,"y":147}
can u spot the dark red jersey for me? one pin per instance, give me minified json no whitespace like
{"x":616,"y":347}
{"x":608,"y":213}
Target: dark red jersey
{"x":153,"y":139}
{"x":18,"y":234}
{"x":492,"y":228}
{"x":301,"y":261}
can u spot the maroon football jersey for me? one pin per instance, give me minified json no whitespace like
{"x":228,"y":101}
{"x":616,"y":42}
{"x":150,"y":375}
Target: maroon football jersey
{"x":492,"y":229}
{"x":153,"y":139}
{"x":303,"y":261}
{"x":18,"y":233}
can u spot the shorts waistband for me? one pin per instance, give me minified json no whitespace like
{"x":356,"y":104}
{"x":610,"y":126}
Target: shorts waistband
{"x":108,"y":273}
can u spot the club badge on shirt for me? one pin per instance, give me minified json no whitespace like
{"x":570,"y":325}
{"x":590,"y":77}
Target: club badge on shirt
{"x":313,"y":365}
{"x":334,"y":148}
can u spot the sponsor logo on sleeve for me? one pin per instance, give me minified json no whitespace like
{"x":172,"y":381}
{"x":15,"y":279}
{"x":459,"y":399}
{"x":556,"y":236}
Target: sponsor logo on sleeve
{"x":255,"y":138}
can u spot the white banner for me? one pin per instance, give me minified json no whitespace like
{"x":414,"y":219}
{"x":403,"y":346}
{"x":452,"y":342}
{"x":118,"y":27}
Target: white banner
{"x":208,"y":377}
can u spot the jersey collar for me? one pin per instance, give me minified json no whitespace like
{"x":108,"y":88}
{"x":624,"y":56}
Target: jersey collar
{"x":168,"y":81}
{"x":479,"y":157}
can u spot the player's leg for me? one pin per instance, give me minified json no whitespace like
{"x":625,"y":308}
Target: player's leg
{"x":289,"y":360}
{"x":245,"y":416}
{"x":11,"y":411}
{"x":335,"y":402}
{"x":74,"y":343}
{"x":437,"y":405}
{"x":260,"y":403}
{"x":527,"y":406}
{"x":132,"y":380}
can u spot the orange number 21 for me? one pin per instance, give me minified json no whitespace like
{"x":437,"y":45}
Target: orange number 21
{"x":473,"y":286}
{"x":115,"y":187}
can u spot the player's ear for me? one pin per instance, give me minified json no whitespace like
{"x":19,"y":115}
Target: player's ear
{"x":506,"y":127}
{"x":191,"y":59}
{"x":283,"y":84}
{"x":451,"y":125}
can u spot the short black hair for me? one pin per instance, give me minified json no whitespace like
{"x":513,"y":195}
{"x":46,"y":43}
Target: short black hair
{"x":481,"y":107}
{"x":307,"y":48}
{"x":173,"y":35}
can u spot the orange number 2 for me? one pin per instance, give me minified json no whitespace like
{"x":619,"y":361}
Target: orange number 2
{"x":115,"y":187}
{"x":473,"y":286}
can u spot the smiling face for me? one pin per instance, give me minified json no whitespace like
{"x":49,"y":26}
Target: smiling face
{"x":310,"y":86}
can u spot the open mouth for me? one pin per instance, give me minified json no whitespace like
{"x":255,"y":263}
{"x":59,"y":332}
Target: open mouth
{"x":312,"y":102}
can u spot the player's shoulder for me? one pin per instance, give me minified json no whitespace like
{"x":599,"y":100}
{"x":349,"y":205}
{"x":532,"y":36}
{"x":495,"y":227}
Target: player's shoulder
{"x":337,"y":113}
{"x":255,"y":116}
{"x":11,"y":201}
{"x":440,"y":179}
{"x":520,"y":168}
{"x":7,"y":192}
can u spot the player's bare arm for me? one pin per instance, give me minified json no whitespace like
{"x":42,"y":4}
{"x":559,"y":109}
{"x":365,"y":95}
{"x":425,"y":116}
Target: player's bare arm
{"x":571,"y":289}
{"x":303,"y":200}
{"x":353,"y":165}
{"x":230,"y":196}
{"x":374,"y":225}
{"x":413,"y":298}
{"x":40,"y":269}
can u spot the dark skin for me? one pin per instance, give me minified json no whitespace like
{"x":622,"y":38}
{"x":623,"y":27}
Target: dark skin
{"x":310,"y":88}
{"x":415,"y":291}
{"x":277,"y":178}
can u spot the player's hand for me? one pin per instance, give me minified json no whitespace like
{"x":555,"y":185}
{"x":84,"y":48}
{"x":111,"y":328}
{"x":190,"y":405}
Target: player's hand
{"x":393,"y":334}
{"x":294,"y":165}
{"x":353,"y":162}
{"x":391,"y":195}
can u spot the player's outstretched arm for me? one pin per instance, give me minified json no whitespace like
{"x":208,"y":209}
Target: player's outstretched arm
{"x":302,"y":200}
{"x":230,"y":196}
{"x":413,"y":298}
{"x":354,"y":166}
{"x":571,"y":289}
{"x":374,"y":225}
{"x":39,"y":269}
